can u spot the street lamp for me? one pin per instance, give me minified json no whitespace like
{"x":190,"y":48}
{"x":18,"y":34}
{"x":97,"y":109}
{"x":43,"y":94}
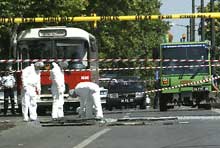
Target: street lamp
{"x":187,"y":30}
{"x":202,"y":22}
{"x":192,"y":23}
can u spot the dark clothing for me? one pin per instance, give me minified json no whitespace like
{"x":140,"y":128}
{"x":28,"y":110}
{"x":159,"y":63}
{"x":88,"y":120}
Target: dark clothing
{"x":8,"y":82}
{"x":9,"y":93}
{"x":157,"y":86}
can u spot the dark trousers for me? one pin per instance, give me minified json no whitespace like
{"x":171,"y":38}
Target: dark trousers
{"x":9,"y":93}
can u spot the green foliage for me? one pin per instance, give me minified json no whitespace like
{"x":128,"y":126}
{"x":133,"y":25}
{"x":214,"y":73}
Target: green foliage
{"x":208,"y":23}
{"x":217,"y":30}
{"x":128,"y":39}
{"x":125,"y":39}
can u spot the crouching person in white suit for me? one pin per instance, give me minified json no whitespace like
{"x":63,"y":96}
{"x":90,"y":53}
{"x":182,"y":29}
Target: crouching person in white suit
{"x":90,"y":102}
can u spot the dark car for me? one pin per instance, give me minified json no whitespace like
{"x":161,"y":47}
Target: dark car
{"x":126,"y":91}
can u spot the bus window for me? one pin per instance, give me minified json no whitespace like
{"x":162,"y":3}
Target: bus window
{"x":45,"y":50}
{"x":60,"y":53}
{"x":73,"y":49}
{"x":23,"y":54}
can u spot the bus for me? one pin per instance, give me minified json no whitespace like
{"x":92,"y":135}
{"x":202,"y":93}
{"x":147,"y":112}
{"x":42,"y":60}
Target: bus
{"x":177,"y":75}
{"x":74,"y":45}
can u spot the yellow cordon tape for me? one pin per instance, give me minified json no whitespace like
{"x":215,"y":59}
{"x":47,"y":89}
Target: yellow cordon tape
{"x":184,"y":85}
{"x":106,"y":60}
{"x":109,"y":18}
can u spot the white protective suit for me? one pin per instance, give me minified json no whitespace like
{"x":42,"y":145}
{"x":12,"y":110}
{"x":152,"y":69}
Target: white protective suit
{"x":90,"y":102}
{"x":57,"y":89}
{"x":32,"y":88}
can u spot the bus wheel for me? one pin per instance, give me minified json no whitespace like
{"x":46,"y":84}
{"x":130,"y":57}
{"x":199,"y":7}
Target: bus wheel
{"x":41,"y":110}
{"x":19,"y":110}
{"x":206,"y":106}
{"x":163,"y":102}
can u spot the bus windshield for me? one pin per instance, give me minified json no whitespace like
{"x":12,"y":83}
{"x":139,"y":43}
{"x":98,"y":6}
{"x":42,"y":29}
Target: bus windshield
{"x":196,"y":53}
{"x":55,"y":49}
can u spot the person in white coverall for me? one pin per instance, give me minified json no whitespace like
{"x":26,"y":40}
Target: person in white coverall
{"x":31,"y":89}
{"x":58,"y":89}
{"x":90,"y":102}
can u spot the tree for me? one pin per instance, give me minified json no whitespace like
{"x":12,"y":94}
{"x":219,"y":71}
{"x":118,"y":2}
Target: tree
{"x":216,"y":51}
{"x":35,"y":8}
{"x":128,"y":39}
{"x":118,"y":39}
{"x":208,"y":25}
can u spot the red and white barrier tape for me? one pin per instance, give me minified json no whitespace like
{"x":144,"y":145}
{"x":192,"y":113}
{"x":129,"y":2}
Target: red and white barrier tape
{"x":181,"y":85}
{"x":104,"y":60}
{"x":156,"y":67}
{"x":142,"y":68}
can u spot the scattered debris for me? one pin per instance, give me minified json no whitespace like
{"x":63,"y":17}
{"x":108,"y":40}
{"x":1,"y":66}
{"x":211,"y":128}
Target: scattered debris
{"x":147,"y":118}
{"x":130,"y":121}
{"x":6,"y":124}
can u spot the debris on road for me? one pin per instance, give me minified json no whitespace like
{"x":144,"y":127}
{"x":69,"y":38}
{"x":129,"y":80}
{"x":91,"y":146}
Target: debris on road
{"x":106,"y":122}
{"x":70,"y":122}
{"x":147,"y":118}
{"x":6,"y":124}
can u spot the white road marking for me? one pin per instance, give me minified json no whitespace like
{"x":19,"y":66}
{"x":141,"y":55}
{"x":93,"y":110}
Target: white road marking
{"x":85,"y":142}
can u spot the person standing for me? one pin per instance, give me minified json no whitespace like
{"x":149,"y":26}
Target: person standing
{"x":8,"y":83}
{"x":157,"y":93}
{"x":215,"y":78}
{"x":58,"y":89}
{"x":90,"y":102}
{"x":31,"y":89}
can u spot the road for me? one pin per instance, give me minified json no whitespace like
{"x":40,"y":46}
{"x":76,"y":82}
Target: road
{"x":177,"y":128}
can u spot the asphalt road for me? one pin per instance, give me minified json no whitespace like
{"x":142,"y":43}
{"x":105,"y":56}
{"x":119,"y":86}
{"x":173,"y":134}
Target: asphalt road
{"x":177,"y":128}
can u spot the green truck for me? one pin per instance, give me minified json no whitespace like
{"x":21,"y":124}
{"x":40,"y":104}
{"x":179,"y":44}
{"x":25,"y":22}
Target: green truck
{"x":183,"y":66}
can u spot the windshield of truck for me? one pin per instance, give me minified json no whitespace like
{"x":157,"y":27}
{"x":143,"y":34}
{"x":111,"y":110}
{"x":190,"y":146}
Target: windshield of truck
{"x":55,"y":49}
{"x":185,"y":52}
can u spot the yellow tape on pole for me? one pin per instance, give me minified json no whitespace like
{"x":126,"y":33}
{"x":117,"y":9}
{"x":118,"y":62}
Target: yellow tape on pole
{"x":109,"y":18}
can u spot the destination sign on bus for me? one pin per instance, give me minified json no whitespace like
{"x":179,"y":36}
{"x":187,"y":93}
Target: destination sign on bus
{"x":184,"y":45}
{"x":52,"y":33}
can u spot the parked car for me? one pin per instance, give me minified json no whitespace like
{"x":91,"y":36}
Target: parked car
{"x":103,"y":94}
{"x":103,"y":83}
{"x":126,"y":91}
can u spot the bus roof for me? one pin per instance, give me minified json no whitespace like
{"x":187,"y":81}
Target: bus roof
{"x":70,"y":32}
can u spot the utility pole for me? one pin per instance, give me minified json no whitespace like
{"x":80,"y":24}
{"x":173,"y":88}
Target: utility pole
{"x":192,"y":23}
{"x":202,"y":22}
{"x":187,"y":33}
{"x":212,"y":27}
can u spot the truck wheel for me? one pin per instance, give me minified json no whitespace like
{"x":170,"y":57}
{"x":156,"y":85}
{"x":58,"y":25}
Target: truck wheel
{"x":41,"y":110}
{"x":143,"y":104}
{"x":163,"y":103}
